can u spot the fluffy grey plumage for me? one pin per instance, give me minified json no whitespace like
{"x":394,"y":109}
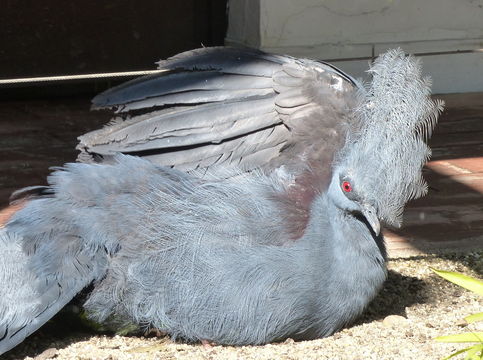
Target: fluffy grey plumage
{"x":215,"y":256}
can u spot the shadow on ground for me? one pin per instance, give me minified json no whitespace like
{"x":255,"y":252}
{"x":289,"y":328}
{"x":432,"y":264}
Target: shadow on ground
{"x":62,"y":330}
{"x":398,"y":293}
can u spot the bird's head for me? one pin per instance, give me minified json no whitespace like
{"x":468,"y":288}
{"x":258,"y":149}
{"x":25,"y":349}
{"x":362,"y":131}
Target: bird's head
{"x":379,"y":167}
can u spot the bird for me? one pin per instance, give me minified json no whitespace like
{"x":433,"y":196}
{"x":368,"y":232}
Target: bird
{"x":236,"y":198}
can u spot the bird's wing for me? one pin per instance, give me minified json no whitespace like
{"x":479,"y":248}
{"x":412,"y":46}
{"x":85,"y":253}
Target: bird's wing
{"x":225,"y":106}
{"x":234,"y":109}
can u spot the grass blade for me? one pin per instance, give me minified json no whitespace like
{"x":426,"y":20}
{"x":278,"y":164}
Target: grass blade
{"x":458,"y":352}
{"x":474,"y":318}
{"x":473,"y":351}
{"x":462,"y":280}
{"x":460,"y":338}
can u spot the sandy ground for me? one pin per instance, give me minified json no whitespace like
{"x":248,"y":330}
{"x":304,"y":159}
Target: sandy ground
{"x":414,"y":307}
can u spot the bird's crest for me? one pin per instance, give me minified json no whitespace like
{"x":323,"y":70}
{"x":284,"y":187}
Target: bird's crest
{"x":386,"y":148}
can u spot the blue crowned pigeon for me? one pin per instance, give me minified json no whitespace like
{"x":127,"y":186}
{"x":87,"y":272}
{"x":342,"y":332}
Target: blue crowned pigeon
{"x":251,"y":213}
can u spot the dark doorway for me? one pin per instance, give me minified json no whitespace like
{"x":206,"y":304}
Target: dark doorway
{"x":82,"y":37}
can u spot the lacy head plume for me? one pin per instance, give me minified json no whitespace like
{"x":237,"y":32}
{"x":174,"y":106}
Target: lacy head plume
{"x":386,"y":149}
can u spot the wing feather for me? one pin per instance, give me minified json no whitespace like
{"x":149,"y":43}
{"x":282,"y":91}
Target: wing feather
{"x":173,"y":83}
{"x":231,"y":60}
{"x":232,"y":107}
{"x":228,"y":153}
{"x":193,"y":97}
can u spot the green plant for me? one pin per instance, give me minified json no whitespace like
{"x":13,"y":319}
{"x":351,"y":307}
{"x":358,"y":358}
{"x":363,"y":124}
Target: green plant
{"x":474,"y":352}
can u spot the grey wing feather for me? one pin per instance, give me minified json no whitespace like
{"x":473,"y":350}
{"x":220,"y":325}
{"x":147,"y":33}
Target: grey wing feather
{"x":36,"y":283}
{"x":180,"y":84}
{"x":29,"y":193}
{"x":232,"y":60}
{"x":197,"y":112}
{"x":183,"y":127}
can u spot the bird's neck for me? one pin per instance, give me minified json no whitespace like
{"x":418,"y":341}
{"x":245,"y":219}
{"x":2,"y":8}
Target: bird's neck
{"x":356,"y":268}
{"x":342,"y":233}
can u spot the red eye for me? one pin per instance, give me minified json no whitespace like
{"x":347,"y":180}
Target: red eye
{"x":346,"y":186}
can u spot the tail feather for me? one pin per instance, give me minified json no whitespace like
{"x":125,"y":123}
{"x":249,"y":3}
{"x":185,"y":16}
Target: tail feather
{"x":57,"y":242}
{"x":35,"y":285}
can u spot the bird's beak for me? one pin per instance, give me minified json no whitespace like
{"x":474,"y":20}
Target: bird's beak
{"x":370,"y":214}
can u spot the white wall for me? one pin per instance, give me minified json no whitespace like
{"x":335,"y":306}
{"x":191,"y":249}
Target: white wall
{"x":447,"y":34}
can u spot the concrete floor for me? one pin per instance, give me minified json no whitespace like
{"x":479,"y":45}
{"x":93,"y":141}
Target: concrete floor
{"x":38,"y":134}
